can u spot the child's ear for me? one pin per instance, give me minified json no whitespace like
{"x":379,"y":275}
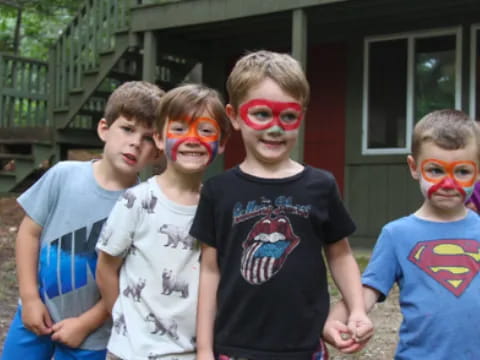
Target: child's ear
{"x":412,"y":166}
{"x":102,"y":129}
{"x":232,"y":115}
{"x":158,"y":139}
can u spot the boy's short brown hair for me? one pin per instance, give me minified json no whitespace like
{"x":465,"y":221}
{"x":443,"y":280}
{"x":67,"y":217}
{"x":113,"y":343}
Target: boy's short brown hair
{"x":134,"y":99}
{"x":254,"y":67}
{"x":190,"y":101}
{"x":448,"y":129}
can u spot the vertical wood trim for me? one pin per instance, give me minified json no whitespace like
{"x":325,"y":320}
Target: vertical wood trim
{"x":149,"y":56}
{"x":299,"y":52}
{"x":3,"y":122}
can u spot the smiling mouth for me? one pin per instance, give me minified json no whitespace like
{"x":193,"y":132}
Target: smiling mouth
{"x":192,"y":153}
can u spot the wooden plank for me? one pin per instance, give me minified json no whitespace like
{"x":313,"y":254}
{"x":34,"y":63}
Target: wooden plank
{"x":2,"y":114}
{"x":358,"y":200}
{"x":299,"y":51}
{"x":184,"y":13}
{"x":377,"y":198}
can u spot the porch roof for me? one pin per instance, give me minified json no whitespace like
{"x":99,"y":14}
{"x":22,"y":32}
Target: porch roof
{"x":196,"y":12}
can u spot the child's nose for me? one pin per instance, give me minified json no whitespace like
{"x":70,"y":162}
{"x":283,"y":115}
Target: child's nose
{"x":449,"y":183}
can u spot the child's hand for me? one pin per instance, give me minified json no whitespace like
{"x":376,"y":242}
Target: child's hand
{"x":35,"y":317}
{"x":70,"y":332}
{"x":338,"y":335}
{"x":361,"y":327}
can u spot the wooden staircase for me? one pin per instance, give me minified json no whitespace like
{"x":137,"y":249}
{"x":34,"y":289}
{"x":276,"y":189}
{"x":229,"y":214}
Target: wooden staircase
{"x":95,"y":54}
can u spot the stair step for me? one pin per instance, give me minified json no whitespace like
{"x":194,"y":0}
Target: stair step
{"x":61,"y":110}
{"x":13,"y":156}
{"x":91,"y":72}
{"x":93,"y":113}
{"x":22,"y":142}
{"x":106,"y":52}
{"x":5,"y":173}
{"x":76,"y":91}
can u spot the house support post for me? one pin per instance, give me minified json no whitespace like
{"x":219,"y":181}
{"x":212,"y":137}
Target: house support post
{"x":299,"y":52}
{"x":149,"y":69}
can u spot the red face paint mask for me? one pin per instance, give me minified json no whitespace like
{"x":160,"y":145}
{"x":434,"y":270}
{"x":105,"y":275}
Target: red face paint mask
{"x":261,"y":114}
{"x":456,"y":175}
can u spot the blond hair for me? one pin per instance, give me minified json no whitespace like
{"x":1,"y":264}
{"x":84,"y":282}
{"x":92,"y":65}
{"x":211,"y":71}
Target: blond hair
{"x":190,"y":101}
{"x":254,"y":67}
{"x":134,"y":100}
{"x":448,"y":129}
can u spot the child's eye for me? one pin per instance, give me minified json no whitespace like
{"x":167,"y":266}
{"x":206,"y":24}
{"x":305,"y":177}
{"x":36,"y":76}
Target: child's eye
{"x":261,"y":115}
{"x":177,"y":128}
{"x":463,"y":172}
{"x":289,"y":117}
{"x":435,"y":171}
{"x":127,"y":128}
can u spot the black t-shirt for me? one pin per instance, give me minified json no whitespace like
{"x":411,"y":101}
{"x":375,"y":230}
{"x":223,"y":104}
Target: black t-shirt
{"x":272,"y":298}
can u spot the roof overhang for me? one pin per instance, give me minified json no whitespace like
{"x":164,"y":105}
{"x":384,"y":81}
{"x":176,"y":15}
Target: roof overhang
{"x":195,"y":12}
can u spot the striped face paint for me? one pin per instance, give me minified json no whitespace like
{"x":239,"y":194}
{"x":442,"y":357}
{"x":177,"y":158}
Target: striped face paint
{"x":442,"y":175}
{"x":262,"y":114}
{"x":203,"y":131}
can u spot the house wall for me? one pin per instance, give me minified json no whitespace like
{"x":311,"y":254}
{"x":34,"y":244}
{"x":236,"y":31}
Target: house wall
{"x":379,"y":188}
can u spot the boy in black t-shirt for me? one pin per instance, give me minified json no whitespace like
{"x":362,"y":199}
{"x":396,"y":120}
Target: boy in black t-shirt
{"x":263,"y":226}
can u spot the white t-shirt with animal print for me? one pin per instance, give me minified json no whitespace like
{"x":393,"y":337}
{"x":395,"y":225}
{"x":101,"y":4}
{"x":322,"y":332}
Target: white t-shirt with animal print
{"x":154,"y":315}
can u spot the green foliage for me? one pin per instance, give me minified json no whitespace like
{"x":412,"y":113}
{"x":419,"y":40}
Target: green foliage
{"x":42,"y":22}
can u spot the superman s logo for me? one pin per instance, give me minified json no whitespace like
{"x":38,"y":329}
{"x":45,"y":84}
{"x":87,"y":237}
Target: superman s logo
{"x":453,"y":263}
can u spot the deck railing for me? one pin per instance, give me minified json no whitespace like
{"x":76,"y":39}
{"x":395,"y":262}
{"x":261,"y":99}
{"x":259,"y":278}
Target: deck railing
{"x":23,"y":92}
{"x":79,"y":47}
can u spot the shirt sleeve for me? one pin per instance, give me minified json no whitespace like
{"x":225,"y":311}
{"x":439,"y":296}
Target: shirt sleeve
{"x":41,"y":198}
{"x":118,"y":232}
{"x":383,"y":268}
{"x":203,"y":227}
{"x":339,"y":224}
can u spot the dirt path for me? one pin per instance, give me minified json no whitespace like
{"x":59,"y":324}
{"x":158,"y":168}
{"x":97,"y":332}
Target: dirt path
{"x":385,"y":316}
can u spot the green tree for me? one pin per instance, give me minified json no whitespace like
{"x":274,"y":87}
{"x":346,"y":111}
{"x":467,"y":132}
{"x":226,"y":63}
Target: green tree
{"x":29,"y":27}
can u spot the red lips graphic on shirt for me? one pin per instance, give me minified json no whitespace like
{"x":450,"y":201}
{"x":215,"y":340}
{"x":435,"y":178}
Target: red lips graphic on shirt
{"x":266,"y":248}
{"x":454,"y":263}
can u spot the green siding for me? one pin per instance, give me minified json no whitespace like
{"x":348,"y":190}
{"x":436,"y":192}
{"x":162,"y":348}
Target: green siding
{"x":378,"y":194}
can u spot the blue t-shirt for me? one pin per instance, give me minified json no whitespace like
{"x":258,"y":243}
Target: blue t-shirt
{"x":435,"y":265}
{"x":71,"y":208}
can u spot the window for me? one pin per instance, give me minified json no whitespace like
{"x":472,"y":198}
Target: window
{"x":407,"y":76}
{"x":475,"y":73}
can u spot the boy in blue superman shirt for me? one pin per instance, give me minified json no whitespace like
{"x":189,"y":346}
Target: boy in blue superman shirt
{"x":434,"y":254}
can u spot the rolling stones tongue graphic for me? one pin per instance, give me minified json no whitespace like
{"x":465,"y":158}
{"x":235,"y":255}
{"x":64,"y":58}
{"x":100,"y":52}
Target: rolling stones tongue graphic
{"x":453,"y":263}
{"x":266,"y":248}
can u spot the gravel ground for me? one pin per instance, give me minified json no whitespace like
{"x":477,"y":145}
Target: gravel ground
{"x":386,"y":316}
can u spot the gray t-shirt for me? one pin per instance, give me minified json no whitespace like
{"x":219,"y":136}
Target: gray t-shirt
{"x":71,"y":208}
{"x":154,"y":315}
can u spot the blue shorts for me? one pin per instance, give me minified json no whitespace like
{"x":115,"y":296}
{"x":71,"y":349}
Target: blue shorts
{"x":23,"y":344}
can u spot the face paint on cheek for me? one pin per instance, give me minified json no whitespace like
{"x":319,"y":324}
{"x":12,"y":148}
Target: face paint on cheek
{"x":447,"y":183}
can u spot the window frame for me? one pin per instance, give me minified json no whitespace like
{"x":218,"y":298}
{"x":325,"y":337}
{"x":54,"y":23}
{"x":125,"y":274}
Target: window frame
{"x":475,"y":28}
{"x":410,"y":37}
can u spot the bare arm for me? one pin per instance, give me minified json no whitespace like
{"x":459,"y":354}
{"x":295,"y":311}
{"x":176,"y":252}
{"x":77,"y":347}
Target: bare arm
{"x":73,"y":331}
{"x":108,"y":268}
{"x":207,"y":302}
{"x":35,"y":315}
{"x":345,"y":273}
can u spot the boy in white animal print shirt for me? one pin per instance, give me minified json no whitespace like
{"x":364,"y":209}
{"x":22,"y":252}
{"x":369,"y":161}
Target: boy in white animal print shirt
{"x":148,"y":265}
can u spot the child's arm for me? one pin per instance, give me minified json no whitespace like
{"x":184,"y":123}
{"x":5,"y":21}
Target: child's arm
{"x":345,"y":273}
{"x":207,"y":303}
{"x":335,"y":326}
{"x":73,"y":331}
{"x":35,"y":315}
{"x":108,"y":267}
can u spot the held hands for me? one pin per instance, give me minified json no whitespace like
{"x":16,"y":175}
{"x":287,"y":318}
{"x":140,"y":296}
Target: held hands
{"x":351,"y":337}
{"x":70,"y":332}
{"x":35,"y":317}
